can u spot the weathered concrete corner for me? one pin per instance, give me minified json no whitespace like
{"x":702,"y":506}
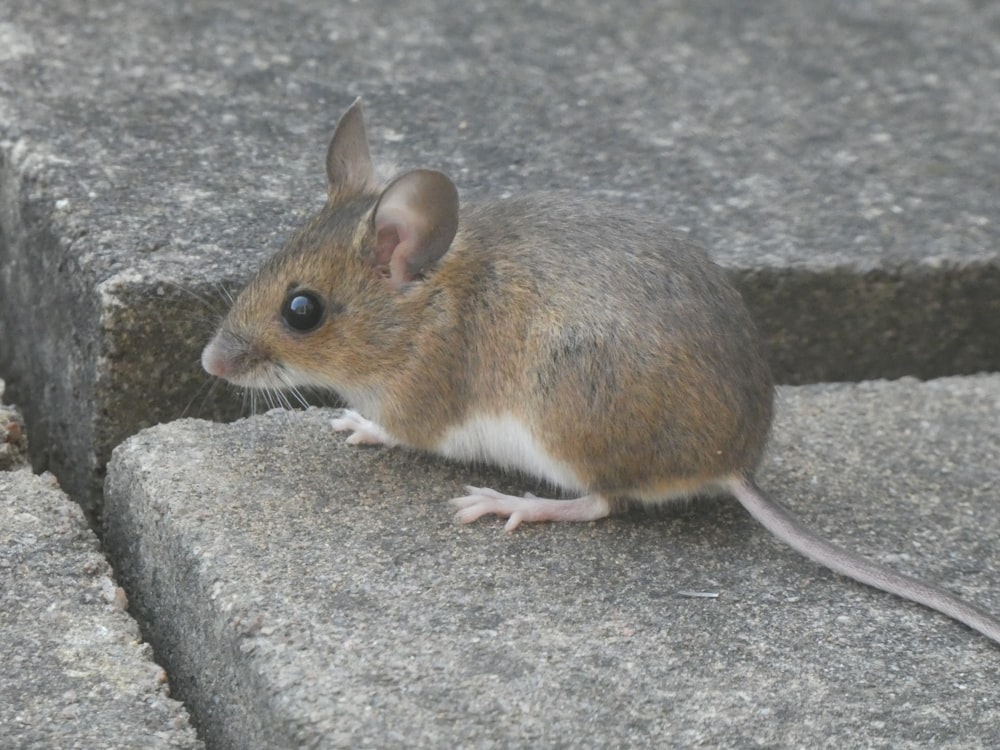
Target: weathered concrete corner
{"x":93,"y":353}
{"x":303,"y":593}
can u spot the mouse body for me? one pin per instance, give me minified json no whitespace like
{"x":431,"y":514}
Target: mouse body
{"x":592,"y":347}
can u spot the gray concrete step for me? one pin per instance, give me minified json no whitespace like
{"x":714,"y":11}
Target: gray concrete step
{"x":74,"y":671}
{"x":304,"y":593}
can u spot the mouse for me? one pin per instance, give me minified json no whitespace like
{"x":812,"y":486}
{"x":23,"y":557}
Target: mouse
{"x":586,"y":345}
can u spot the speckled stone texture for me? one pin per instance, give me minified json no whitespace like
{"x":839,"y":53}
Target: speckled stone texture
{"x":74,"y":673}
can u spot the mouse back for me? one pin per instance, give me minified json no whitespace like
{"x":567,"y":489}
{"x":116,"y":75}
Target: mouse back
{"x":624,"y":344}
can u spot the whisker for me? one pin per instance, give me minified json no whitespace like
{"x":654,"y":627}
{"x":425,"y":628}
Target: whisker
{"x":206,"y":303}
{"x":299,"y":397}
{"x":283,"y":400}
{"x":280,"y":402}
{"x":225,"y":293}
{"x":293,"y":390}
{"x":203,"y":392}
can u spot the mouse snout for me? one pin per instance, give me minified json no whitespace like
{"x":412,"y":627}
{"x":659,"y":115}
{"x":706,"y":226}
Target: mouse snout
{"x":213,"y":362}
{"x":220,"y":355}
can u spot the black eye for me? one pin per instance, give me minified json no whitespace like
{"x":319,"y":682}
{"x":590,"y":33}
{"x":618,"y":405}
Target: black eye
{"x":302,"y":310}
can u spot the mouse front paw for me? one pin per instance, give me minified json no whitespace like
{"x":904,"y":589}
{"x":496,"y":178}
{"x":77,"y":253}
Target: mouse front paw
{"x":363,"y":431}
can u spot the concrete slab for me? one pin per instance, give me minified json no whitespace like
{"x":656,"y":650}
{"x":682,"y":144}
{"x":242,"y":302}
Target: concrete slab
{"x":840,"y":158}
{"x":303,"y":593}
{"x":74,"y":672}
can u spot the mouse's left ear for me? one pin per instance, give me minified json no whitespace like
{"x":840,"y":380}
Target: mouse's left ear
{"x":349,"y":169}
{"x":414,"y":222}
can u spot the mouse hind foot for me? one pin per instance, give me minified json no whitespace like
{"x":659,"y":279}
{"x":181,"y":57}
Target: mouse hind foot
{"x":482,"y":501}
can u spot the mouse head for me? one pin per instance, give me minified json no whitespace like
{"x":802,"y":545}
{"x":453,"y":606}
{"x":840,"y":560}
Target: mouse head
{"x":337,"y":305}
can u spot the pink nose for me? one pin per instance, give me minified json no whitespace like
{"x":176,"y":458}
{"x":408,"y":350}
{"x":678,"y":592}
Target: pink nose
{"x":214,"y":361}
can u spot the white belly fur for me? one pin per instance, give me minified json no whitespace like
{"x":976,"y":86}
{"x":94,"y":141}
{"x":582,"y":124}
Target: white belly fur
{"x":506,"y":442}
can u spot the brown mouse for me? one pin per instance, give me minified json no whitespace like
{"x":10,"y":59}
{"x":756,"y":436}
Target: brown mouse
{"x":596,"y":349}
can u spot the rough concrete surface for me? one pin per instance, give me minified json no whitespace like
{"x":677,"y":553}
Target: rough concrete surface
{"x":74,"y":673}
{"x":304,"y":593}
{"x":841,"y":158}
{"x":13,"y":437}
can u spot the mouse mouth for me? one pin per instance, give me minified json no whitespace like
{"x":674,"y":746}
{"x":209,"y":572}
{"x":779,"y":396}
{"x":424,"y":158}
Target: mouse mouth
{"x":265,"y":377}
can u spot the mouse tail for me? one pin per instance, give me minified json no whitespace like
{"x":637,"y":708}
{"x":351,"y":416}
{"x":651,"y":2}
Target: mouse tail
{"x":780,"y":522}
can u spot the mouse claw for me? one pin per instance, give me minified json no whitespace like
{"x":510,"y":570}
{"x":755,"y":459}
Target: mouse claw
{"x":513,"y":522}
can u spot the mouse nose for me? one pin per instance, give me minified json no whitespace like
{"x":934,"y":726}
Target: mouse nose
{"x":215,"y":359}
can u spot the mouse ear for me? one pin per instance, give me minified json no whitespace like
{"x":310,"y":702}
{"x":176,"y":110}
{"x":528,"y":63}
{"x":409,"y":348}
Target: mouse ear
{"x":349,"y":168}
{"x":414,"y":221}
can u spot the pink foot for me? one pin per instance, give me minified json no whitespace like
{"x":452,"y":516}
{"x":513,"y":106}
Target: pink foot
{"x":481,"y":501}
{"x":363,"y":431}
